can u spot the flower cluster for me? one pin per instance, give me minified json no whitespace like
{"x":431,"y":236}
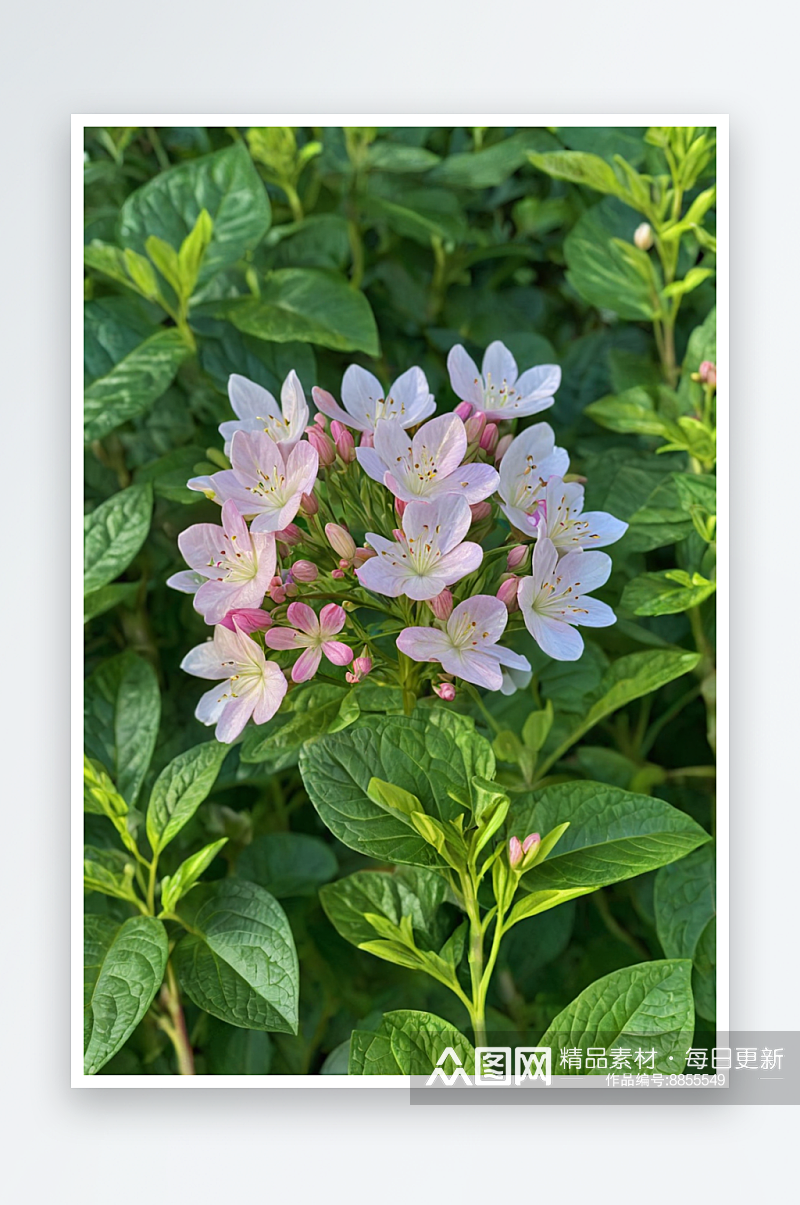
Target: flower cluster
{"x":382,"y":540}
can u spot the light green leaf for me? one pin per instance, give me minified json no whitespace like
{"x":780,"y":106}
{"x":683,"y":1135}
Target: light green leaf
{"x":180,"y":789}
{"x":419,"y":214}
{"x":397,"y":157}
{"x":238,"y":961}
{"x":663,"y":594}
{"x":108,"y":871}
{"x":631,"y":413}
{"x":628,"y":678}
{"x":645,"y":1007}
{"x":693,"y":278}
{"x":124,"y":973}
{"x":579,"y":167}
{"x":174,"y":887}
{"x":226,"y":184}
{"x":434,"y":758}
{"x":612,"y":835}
{"x":102,"y":600}
{"x":132,"y":385}
{"x":686,"y":915}
{"x":408,"y":892}
{"x":492,"y":165}
{"x":113,"y":534}
{"x":287,"y":864}
{"x":311,"y":305}
{"x":407,"y":1043}
{"x":122,"y":709}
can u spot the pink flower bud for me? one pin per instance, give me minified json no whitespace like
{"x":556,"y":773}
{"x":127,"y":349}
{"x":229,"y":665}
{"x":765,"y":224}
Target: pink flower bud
{"x":341,"y":541}
{"x":446,"y":691}
{"x":442,"y":605}
{"x":346,"y":447}
{"x":475,"y":426}
{"x":277,"y":591}
{"x":366,"y":440}
{"x":508,"y":594}
{"x":360,"y":668}
{"x":363,"y":555}
{"x":708,"y":373}
{"x":480,"y":510}
{"x":400,"y":506}
{"x":309,"y":504}
{"x":490,"y":437}
{"x":337,"y":429}
{"x":515,"y":854}
{"x":517,"y":556}
{"x":463,"y":410}
{"x":248,"y":619}
{"x":503,"y":446}
{"x":530,"y":849}
{"x":304,"y":571}
{"x":290,"y":535}
{"x":337,"y":573}
{"x":343,"y":564}
{"x":323,"y":444}
{"x":529,"y":842}
{"x":321,"y":421}
{"x":291,"y":589}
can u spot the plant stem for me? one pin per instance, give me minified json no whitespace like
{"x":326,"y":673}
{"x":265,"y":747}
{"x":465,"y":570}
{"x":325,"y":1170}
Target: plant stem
{"x":477,"y":1010}
{"x":175,"y":1029}
{"x":151,"y":886}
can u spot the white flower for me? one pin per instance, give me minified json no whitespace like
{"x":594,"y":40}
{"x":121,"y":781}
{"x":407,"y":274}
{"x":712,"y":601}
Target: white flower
{"x":524,"y":472}
{"x":468,"y":646}
{"x":257,"y":410}
{"x":562,"y":521}
{"x":428,"y":554}
{"x":554,"y":598}
{"x":429,"y":465}
{"x":250,"y":685}
{"x":499,"y":391}
{"x":514,"y":680}
{"x":366,"y":402}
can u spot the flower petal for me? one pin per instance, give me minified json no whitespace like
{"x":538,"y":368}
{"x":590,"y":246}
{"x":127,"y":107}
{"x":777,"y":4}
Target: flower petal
{"x":202,"y":547}
{"x":331,"y":619}
{"x":250,"y":400}
{"x":206,"y":661}
{"x":423,"y":644}
{"x":447,"y":520}
{"x":554,"y":637}
{"x":212,"y":704}
{"x":336,"y":652}
{"x":281,"y":638}
{"x":499,"y":366}
{"x":271,"y":694}
{"x":371,"y":461}
{"x":361,"y":393}
{"x":473,"y":482}
{"x":538,"y":383}
{"x":587,"y":570}
{"x":327,"y":404}
{"x":301,"y":616}
{"x":473,"y":666}
{"x":236,"y":714}
{"x":487,"y":613}
{"x":603,"y":529}
{"x":307,"y":664}
{"x":595,"y":614}
{"x":464,"y":376}
{"x":458,"y":563}
{"x":442,"y":440}
{"x":188,"y":581}
{"x":410,"y":400}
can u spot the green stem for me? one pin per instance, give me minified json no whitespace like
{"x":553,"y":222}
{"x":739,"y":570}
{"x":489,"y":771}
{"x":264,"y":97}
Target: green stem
{"x":151,"y":886}
{"x":477,"y":1008}
{"x":175,"y":1028}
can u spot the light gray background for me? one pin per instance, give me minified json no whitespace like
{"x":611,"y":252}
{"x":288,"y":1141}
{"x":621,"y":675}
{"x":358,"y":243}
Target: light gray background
{"x":470,"y":57}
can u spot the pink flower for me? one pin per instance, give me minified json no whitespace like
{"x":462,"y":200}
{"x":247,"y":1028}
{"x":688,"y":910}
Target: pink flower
{"x":508,"y":594}
{"x":445,"y":691}
{"x":442,"y":605}
{"x":257,"y":410}
{"x":341,"y":541}
{"x":429,"y":465}
{"x":514,"y":851}
{"x":499,"y":390}
{"x":304,"y":571}
{"x":502,"y":447}
{"x":468,"y":647}
{"x":527,"y":466}
{"x":463,"y":410}
{"x":360,"y":668}
{"x":428,"y":555}
{"x":366,"y":403}
{"x":516,"y":556}
{"x":236,"y":564}
{"x":250,"y":685}
{"x":522,"y":854}
{"x":263,"y":485}
{"x":490,"y":437}
{"x":314,"y":635}
{"x":322,"y":444}
{"x":345,"y":444}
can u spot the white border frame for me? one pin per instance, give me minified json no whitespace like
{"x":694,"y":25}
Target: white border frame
{"x":79,"y":122}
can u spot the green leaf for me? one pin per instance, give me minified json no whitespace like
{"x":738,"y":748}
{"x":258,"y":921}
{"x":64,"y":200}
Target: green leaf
{"x":108,"y":871}
{"x":113,"y":534}
{"x":226,"y":184}
{"x":311,"y":305}
{"x":395,"y":157}
{"x":645,"y":1007}
{"x":122,"y":709}
{"x":125,"y":971}
{"x":693,"y":278}
{"x":686,"y":916}
{"x":612,"y":835}
{"x":170,"y":472}
{"x":102,"y":600}
{"x":174,"y":887}
{"x":600,"y":270}
{"x":579,"y":167}
{"x":238,"y":961}
{"x":307,"y":714}
{"x":287,"y":864}
{"x":631,"y":413}
{"x":626,"y":679}
{"x":494,"y":164}
{"x":702,"y":346}
{"x":113,"y":327}
{"x":410,"y":892}
{"x":407,"y":1043}
{"x":696,"y":489}
{"x":180,"y":789}
{"x":132,"y":385}
{"x":192,"y":253}
{"x":662,"y":594}
{"x":434,"y":758}
{"x":419,"y":214}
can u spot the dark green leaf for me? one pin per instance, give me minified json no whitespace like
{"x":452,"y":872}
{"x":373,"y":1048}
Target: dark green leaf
{"x":132,"y":386}
{"x":287,"y":864}
{"x":407,"y":1043}
{"x":113,"y":534}
{"x":122,"y":709}
{"x":102,"y":600}
{"x":600,"y":271}
{"x":238,"y":962}
{"x":180,"y":789}
{"x":407,"y":892}
{"x":685,"y":908}
{"x":124,"y":972}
